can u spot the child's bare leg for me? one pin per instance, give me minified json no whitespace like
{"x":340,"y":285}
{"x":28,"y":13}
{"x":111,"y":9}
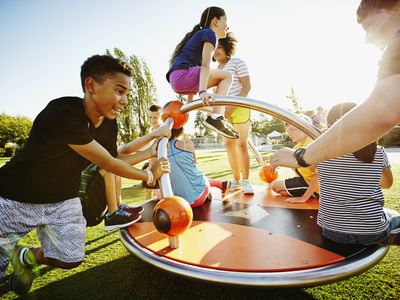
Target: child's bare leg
{"x":118,"y":187}
{"x":222,"y":80}
{"x":279,"y":187}
{"x":111,"y":195}
{"x":230,"y":146}
{"x":242,"y":149}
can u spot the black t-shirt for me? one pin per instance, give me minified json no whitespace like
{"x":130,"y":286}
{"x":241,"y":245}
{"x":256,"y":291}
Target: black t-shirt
{"x":47,"y":170}
{"x":390,"y":62}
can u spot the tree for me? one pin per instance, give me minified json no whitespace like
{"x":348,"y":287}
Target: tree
{"x":180,"y":98}
{"x":13,"y":130}
{"x":265,"y":125}
{"x":133,"y":120}
{"x":295,"y":101}
{"x":198,"y":124}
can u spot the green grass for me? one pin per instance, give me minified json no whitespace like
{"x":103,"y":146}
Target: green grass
{"x":111,"y":272}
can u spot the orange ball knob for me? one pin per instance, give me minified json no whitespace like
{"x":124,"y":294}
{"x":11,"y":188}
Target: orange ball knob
{"x":173,"y":110}
{"x":172,"y":216}
{"x":267,"y":174}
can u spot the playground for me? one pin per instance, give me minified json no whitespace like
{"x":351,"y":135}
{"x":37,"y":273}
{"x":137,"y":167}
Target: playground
{"x":129,"y":277}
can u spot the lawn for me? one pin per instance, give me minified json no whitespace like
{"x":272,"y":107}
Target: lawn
{"x":111,"y":272}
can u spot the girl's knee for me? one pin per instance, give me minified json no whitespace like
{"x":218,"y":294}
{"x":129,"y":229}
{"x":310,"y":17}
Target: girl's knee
{"x":243,"y":146}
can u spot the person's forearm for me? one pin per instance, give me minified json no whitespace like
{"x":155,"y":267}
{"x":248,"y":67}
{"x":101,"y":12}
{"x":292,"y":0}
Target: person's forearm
{"x":123,"y":169}
{"x":361,"y":126}
{"x":245,"y":90}
{"x":137,"y":144}
{"x":98,"y":155}
{"x":135,"y":158}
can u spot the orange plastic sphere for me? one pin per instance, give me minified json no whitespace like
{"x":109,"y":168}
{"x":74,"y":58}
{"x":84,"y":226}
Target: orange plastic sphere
{"x":268,"y":175}
{"x":172,"y":216}
{"x":173,"y":110}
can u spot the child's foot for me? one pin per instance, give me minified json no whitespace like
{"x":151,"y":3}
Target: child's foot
{"x":120,"y":219}
{"x":21,"y":279}
{"x":234,"y":185}
{"x":131,"y":209}
{"x":247,"y":188}
{"x":218,"y":126}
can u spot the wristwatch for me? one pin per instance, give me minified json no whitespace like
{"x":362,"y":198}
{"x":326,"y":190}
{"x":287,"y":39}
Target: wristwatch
{"x":299,"y":154}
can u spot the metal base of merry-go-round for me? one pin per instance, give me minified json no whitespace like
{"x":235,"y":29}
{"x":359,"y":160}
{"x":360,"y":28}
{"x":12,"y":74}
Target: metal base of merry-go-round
{"x":254,"y":240}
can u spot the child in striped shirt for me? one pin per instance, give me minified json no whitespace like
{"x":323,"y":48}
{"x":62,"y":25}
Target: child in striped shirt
{"x":351,"y":200}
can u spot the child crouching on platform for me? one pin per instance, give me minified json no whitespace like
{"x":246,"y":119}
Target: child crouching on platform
{"x":305,"y":185}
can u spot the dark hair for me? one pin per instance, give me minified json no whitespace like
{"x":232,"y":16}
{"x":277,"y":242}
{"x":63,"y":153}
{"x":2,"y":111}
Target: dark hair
{"x":206,"y":17}
{"x":154,"y":107}
{"x":176,"y":133}
{"x":101,"y":66}
{"x":229,"y":44}
{"x":365,"y":154}
{"x":367,"y":6}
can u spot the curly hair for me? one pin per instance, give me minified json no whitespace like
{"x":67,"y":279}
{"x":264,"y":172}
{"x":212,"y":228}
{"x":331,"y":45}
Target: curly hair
{"x":229,"y":44}
{"x":100,"y":66}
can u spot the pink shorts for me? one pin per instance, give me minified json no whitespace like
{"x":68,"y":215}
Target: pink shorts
{"x":185,"y":81}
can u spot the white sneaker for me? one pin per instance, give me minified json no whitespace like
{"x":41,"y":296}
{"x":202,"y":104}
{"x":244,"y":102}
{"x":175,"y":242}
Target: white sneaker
{"x":247,"y":188}
{"x":234,"y":185}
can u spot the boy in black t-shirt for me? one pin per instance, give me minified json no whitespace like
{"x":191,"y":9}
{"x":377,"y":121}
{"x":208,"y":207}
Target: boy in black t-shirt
{"x":378,"y":114}
{"x":39,"y":185}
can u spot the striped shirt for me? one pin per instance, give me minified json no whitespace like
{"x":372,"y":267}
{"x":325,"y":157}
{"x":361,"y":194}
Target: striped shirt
{"x":238,"y":69}
{"x":351,"y":199}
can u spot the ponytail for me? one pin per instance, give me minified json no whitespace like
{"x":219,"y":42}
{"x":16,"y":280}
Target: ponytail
{"x":182,"y":43}
{"x":206,"y":17}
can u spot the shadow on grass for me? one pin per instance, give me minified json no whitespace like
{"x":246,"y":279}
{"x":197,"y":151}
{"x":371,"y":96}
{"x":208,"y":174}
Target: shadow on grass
{"x":88,"y":242}
{"x":130,"y":278}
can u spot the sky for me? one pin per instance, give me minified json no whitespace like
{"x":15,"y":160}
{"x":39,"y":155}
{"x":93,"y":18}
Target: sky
{"x":314,"y":46}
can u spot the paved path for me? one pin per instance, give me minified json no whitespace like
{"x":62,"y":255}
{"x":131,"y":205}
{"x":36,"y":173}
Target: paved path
{"x":394,"y":155}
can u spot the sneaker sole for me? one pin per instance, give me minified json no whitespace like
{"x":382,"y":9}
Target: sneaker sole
{"x":219,"y":131}
{"x":248,"y":192}
{"x":138,"y":211}
{"x":235,"y":189}
{"x":113,"y":227}
{"x":394,"y":237}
